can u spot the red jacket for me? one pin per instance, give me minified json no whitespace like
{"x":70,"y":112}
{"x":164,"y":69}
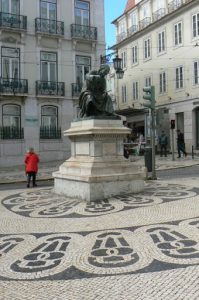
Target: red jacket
{"x":31,"y":161}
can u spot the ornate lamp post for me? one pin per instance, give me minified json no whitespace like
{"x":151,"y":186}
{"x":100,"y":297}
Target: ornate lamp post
{"x":117,"y":63}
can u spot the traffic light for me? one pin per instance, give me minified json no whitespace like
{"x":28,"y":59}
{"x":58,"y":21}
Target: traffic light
{"x":150,"y":96}
{"x":172,"y":124}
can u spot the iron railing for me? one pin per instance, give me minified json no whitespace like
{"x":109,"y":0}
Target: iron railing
{"x":76,"y":89}
{"x":121,"y":36}
{"x":49,"y":26}
{"x":83,"y":32}
{"x":11,"y":133}
{"x":13,"y":86}
{"x":175,"y":4}
{"x":47,"y":132}
{"x":13,"y":21}
{"x":158,"y":14}
{"x":50,"y":88}
{"x":144,"y":23}
{"x":133,"y":29}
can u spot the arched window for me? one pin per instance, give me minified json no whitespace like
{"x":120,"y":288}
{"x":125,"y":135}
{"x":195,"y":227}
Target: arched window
{"x":11,"y":122}
{"x":49,"y":123}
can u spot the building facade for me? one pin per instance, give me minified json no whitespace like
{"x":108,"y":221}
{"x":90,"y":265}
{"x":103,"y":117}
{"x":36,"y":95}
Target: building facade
{"x":158,"y":41}
{"x":47,"y":47}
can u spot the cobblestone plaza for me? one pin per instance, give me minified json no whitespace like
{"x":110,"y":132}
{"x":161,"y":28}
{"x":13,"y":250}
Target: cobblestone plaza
{"x":142,"y":246}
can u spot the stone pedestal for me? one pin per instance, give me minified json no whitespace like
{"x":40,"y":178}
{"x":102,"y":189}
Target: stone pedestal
{"x":97,"y":168}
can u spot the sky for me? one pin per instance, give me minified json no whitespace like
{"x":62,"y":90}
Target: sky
{"x":113,"y":9}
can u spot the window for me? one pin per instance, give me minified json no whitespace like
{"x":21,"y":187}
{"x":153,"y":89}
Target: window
{"x":48,"y":66}
{"x":11,"y":122}
{"x":10,"y":63}
{"x":82,"y":13}
{"x":178,"y":34}
{"x":48,"y":9}
{"x":133,"y":22}
{"x":10,"y":6}
{"x":124,"y":98}
{"x":49,"y":116}
{"x":179,"y":78}
{"x":135,"y":90}
{"x":135,"y":55}
{"x":83,"y":66}
{"x":161,"y":41}
{"x":123,"y":56}
{"x":195,"y":25}
{"x":163,"y":83}
{"x":148,"y":81}
{"x":196,"y":72}
{"x":147,"y":48}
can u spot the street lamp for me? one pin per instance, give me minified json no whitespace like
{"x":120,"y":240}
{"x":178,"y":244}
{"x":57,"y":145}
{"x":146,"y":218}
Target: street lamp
{"x":117,"y":63}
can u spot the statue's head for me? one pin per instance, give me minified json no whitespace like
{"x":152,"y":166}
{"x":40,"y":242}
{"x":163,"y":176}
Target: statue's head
{"x":104,"y":70}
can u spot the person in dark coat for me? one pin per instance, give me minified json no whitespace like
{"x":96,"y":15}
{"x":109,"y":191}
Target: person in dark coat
{"x":181,"y":143}
{"x":163,"y":141}
{"x":31,"y":167}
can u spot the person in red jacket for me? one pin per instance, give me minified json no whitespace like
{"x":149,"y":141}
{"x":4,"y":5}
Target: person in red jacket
{"x":31,"y":161}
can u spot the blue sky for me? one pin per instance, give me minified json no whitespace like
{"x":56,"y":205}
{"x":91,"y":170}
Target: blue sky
{"x":113,"y":9}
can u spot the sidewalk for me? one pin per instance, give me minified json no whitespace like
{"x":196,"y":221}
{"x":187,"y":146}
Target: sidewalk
{"x":17,"y":174}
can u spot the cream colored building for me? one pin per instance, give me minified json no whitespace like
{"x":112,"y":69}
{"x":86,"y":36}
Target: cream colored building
{"x":158,"y":41}
{"x":47,"y":47}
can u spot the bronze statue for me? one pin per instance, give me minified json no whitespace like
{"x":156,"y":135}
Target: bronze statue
{"x":94,"y":99}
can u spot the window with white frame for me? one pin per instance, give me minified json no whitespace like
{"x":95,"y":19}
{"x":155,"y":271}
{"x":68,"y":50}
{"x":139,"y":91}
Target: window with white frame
{"x":147,"y":48}
{"x":135,"y":90}
{"x":124,"y":95}
{"x":82,"y":13}
{"x":10,"y":63}
{"x":133,"y":22}
{"x":161,"y":42}
{"x":10,"y":6}
{"x":11,"y":115}
{"x":49,"y":116}
{"x":178,"y":34}
{"x":162,"y":82}
{"x":179,"y":77}
{"x":123,"y":56}
{"x":48,"y":9}
{"x":134,"y":54}
{"x":48,"y":66}
{"x":148,"y":81}
{"x":195,"y":25}
{"x":83,"y":66}
{"x":196,"y":72}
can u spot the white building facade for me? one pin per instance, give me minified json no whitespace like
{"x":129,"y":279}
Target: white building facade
{"x":158,"y":41}
{"x":47,"y":47}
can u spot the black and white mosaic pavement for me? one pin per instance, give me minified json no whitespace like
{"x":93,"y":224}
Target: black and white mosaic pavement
{"x":91,"y":253}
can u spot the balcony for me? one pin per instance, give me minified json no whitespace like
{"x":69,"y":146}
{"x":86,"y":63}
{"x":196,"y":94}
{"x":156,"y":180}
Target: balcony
{"x":47,"y":26}
{"x":121,"y":36}
{"x":13,"y":21}
{"x":13,"y":86}
{"x":51,"y":132}
{"x":144,"y":23}
{"x":174,"y":5}
{"x":158,"y":14}
{"x":76,"y":89}
{"x":50,"y":88}
{"x":11,"y":133}
{"x":133,"y":29}
{"x":83,"y":32}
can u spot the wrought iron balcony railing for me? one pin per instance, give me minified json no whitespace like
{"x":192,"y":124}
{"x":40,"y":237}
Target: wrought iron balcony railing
{"x":13,"y":21}
{"x":13,"y":86}
{"x":50,"y":132}
{"x":133,"y":29}
{"x":175,"y":4}
{"x":11,"y":133}
{"x":158,"y":14}
{"x":144,"y":23}
{"x":48,"y":26}
{"x":83,"y":32}
{"x":121,"y":36}
{"x":76,"y":89}
{"x":50,"y":88}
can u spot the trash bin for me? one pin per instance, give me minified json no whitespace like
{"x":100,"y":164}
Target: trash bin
{"x":148,"y":158}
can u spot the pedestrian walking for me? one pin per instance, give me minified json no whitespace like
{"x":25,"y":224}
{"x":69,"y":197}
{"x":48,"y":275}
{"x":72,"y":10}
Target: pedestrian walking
{"x":180,"y":143}
{"x":31,"y":166}
{"x":163,"y":142}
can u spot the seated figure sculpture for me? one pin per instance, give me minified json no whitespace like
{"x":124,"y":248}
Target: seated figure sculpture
{"x":94,"y":99}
